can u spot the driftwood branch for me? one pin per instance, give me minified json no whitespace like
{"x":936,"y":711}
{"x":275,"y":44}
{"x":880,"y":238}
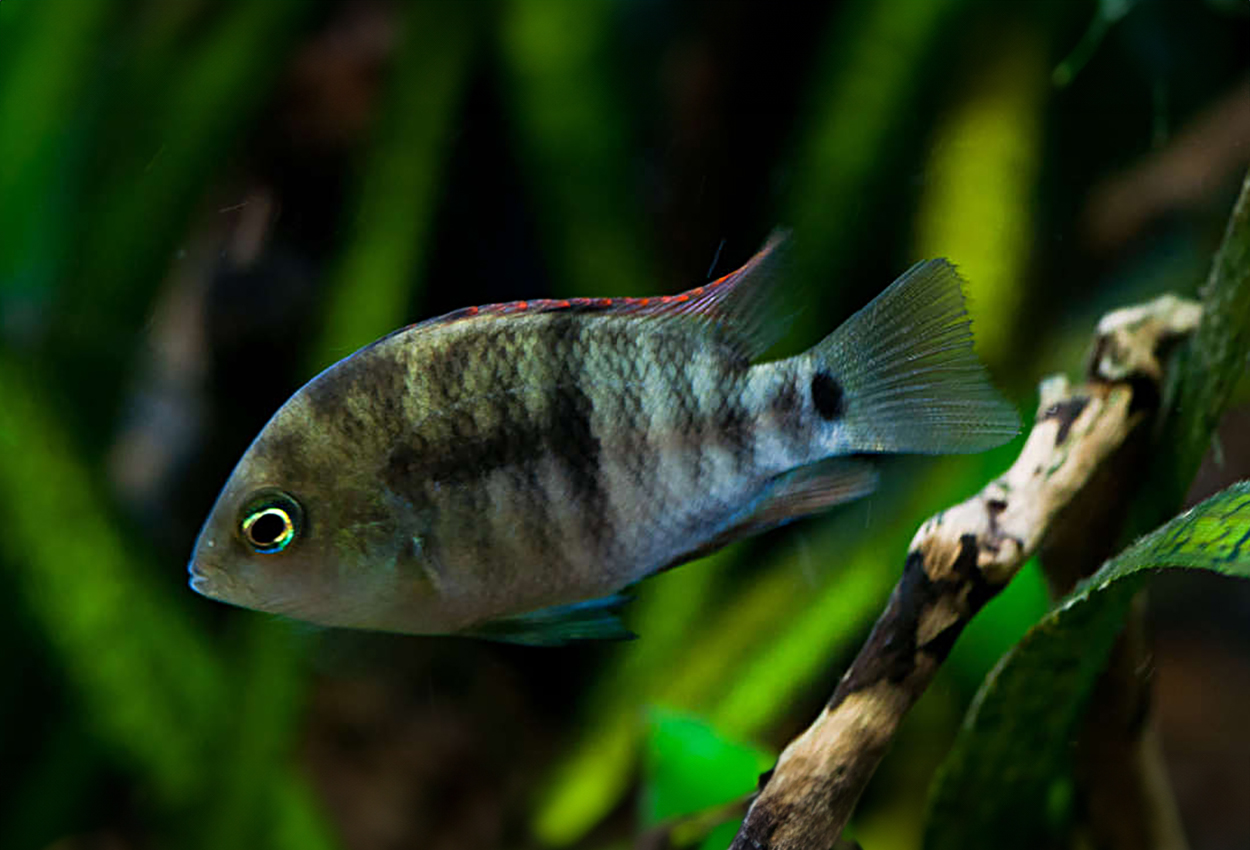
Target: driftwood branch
{"x":1127,"y":802}
{"x":959,"y":560}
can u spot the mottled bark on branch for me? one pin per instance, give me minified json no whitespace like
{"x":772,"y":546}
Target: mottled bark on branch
{"x":958,"y":560}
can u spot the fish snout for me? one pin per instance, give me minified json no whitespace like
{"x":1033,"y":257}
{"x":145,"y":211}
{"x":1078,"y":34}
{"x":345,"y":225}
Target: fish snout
{"x":201,"y":578}
{"x":200,"y":583}
{"x":206,"y":578}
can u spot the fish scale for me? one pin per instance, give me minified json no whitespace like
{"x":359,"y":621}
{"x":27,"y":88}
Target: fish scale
{"x":505,"y":470}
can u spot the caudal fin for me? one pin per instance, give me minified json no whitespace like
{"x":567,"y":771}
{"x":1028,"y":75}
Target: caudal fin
{"x":911,"y":380}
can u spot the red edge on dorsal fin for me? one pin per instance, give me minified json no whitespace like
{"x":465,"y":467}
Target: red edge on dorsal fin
{"x":704,"y":302}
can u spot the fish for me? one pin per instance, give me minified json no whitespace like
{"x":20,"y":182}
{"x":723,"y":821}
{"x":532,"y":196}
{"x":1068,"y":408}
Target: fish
{"x":509,"y":471}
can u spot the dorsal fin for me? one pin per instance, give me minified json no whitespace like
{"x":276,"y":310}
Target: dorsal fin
{"x":736,"y":307}
{"x":740,"y":307}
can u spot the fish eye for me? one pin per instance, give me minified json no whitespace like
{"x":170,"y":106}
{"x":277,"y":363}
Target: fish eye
{"x":270,"y":522}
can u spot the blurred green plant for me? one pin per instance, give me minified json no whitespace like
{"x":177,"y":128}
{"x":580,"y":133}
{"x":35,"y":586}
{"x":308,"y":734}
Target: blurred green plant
{"x":166,"y":134}
{"x":976,"y":205}
{"x":155,"y":692}
{"x":1106,"y":14}
{"x":43,"y":78}
{"x":871,"y":68}
{"x":691,"y":766}
{"x":572,"y":127}
{"x":400,"y":179}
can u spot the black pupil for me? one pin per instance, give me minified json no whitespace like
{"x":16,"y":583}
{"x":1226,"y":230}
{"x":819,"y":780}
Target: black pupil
{"x":268,"y":529}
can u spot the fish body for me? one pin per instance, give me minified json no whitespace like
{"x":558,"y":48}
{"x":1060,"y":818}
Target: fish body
{"x":497,"y":470}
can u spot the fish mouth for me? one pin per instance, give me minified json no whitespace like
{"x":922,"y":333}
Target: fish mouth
{"x":199,"y":582}
{"x":208,"y":578}
{"x":202,"y":574}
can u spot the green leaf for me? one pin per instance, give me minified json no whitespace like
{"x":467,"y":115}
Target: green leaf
{"x":691,"y":767}
{"x":1003,"y":784}
{"x":1216,"y":358}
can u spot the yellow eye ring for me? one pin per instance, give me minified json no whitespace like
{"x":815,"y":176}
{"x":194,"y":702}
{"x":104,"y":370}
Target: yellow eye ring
{"x":271,"y":525}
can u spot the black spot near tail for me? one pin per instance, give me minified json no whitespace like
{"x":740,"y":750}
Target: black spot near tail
{"x":827,"y":396}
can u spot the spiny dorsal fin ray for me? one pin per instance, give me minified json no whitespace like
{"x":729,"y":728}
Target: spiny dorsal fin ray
{"x":742,"y":306}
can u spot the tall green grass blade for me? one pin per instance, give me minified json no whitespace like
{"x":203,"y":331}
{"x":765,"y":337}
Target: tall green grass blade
{"x":1107,"y":13}
{"x":134,"y":212}
{"x":116,"y":635}
{"x":391,"y":224}
{"x":769,"y":682}
{"x":980,"y":188}
{"x":573,"y":130}
{"x":46,"y":51}
{"x":160,"y":698}
{"x":863,"y":90}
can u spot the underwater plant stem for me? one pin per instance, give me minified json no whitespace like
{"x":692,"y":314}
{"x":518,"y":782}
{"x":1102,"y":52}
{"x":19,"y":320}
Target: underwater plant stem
{"x":959,"y":560}
{"x":1127,"y":797}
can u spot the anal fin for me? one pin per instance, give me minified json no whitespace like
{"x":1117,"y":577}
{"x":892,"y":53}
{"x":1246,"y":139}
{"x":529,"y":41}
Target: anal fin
{"x":813,"y":488}
{"x":806,"y":490}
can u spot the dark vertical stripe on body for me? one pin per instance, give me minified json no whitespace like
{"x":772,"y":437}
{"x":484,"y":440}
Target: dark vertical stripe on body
{"x":690,"y":421}
{"x":361,"y":398}
{"x":790,"y":409}
{"x":734,"y":422}
{"x":580,"y":454}
{"x":569,"y":425}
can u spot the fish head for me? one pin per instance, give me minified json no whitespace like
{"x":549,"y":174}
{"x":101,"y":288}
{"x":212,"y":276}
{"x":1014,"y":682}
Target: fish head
{"x":303,"y":528}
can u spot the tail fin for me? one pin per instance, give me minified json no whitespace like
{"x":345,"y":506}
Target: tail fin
{"x":912,"y":382}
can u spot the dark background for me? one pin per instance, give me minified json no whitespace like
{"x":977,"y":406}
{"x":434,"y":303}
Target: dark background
{"x":203,"y":203}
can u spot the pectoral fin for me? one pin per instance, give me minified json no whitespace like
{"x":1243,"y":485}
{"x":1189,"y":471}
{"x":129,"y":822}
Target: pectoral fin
{"x":813,"y":488}
{"x":595,"y":619}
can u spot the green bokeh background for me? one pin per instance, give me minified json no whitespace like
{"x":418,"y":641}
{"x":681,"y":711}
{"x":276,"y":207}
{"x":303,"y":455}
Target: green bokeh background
{"x":203,"y":203}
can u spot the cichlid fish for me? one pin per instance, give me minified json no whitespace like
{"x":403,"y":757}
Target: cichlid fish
{"x":505,"y":471}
